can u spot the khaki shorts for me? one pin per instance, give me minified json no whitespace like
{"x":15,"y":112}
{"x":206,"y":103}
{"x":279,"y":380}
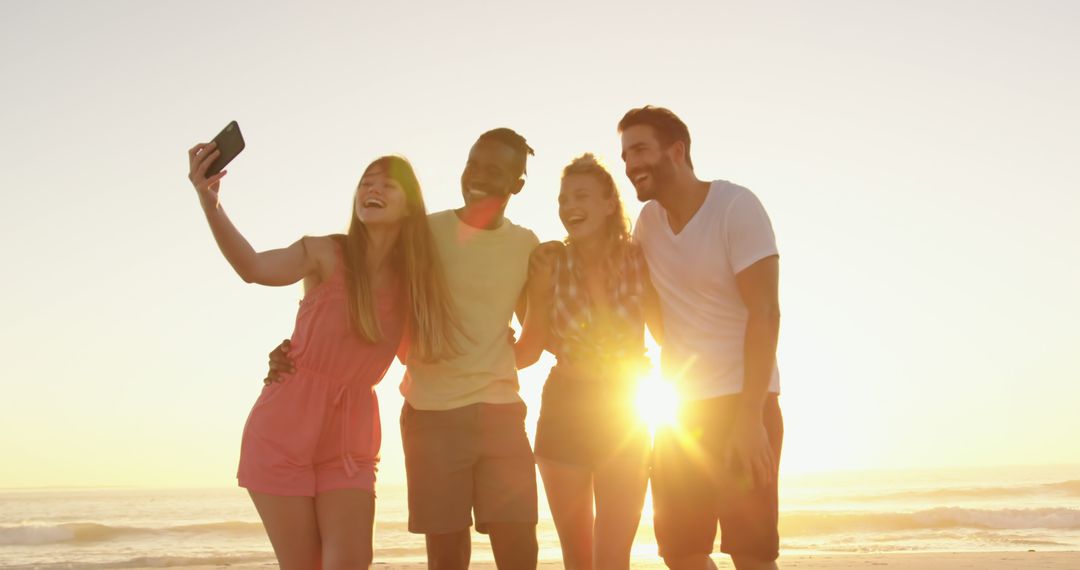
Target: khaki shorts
{"x":471,"y":459}
{"x":693,"y":487}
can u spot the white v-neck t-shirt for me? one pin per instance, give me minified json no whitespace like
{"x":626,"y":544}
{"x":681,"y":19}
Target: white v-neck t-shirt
{"x":694,"y":274}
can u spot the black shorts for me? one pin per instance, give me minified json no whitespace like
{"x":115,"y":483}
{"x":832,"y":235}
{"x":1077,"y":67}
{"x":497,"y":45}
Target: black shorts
{"x":587,"y":422}
{"x":693,"y":489}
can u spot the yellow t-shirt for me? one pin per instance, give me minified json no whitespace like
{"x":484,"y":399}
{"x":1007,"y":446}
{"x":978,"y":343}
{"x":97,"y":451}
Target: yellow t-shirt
{"x":486,"y":272}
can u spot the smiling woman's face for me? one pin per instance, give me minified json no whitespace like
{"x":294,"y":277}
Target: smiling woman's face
{"x":583,"y":208}
{"x":379,"y":198}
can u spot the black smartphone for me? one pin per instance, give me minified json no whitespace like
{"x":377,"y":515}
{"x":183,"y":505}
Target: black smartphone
{"x":229,"y":143}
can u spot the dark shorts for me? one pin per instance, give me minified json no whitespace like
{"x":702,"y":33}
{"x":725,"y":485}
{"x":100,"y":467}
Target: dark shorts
{"x":693,"y":489}
{"x":474,"y":458}
{"x":588,"y":422}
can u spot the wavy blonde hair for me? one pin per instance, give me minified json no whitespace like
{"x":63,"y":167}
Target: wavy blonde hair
{"x":431,"y":321}
{"x":618,"y":225}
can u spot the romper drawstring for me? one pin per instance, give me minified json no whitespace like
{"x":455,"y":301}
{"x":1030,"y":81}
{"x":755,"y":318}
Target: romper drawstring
{"x":347,"y":459}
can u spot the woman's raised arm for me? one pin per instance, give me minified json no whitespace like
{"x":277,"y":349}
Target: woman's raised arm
{"x":274,"y":267}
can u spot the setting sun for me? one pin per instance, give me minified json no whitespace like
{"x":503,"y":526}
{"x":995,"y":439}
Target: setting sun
{"x":657,"y":401}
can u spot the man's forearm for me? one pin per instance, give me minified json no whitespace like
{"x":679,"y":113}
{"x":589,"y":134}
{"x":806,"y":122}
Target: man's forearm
{"x":759,"y":359}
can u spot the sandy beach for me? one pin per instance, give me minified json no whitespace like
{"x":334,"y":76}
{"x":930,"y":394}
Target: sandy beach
{"x":903,"y":561}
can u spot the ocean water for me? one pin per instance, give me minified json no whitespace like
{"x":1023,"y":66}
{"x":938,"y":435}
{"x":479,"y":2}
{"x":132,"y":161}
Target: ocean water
{"x":991,"y":509}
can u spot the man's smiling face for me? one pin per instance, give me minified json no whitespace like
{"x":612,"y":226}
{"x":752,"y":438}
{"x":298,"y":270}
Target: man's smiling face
{"x":492,"y":174}
{"x":649,"y":165}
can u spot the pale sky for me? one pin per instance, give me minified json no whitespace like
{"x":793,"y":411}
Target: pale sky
{"x":916,"y":159}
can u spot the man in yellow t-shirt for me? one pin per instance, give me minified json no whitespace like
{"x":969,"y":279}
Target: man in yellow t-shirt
{"x":463,"y":422}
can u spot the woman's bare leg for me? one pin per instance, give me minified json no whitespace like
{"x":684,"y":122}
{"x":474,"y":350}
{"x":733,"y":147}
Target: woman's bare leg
{"x":619,"y":486}
{"x":293,"y":529}
{"x":346,"y":524}
{"x":569,"y":494}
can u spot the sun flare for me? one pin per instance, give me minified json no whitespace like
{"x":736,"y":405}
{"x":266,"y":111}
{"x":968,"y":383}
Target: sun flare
{"x":657,"y":401}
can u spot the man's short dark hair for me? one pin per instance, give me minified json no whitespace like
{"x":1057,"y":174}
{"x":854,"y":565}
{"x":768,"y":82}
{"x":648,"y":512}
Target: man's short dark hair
{"x":512,"y":139}
{"x":669,"y":127}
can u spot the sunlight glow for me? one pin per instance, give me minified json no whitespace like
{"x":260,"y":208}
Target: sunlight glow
{"x":657,"y":401}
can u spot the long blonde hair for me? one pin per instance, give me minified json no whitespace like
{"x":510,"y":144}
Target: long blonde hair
{"x":431,"y":321}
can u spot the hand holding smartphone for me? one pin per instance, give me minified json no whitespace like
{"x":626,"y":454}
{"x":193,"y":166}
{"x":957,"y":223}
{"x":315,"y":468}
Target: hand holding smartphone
{"x":229,"y":144}
{"x":205,"y":173}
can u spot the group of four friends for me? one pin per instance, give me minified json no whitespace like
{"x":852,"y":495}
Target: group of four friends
{"x":438,"y":291}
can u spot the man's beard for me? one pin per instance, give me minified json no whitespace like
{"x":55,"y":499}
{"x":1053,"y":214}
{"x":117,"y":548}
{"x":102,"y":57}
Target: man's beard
{"x":661,"y":175}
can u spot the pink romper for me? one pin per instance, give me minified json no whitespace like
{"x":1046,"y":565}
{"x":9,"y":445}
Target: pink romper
{"x":318,"y":429}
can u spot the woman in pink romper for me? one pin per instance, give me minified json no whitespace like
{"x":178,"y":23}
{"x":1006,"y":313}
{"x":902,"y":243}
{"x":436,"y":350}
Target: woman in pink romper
{"x":311,"y":443}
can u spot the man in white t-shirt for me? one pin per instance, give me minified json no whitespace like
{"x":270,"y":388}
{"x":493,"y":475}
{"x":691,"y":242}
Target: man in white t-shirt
{"x":712,"y":257}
